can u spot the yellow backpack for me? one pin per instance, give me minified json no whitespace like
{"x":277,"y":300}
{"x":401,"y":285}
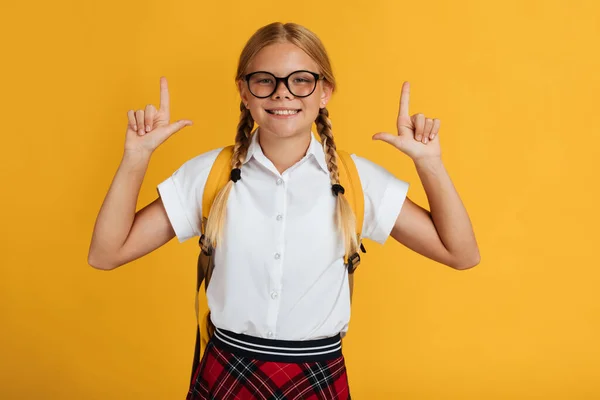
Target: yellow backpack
{"x":218,"y":177}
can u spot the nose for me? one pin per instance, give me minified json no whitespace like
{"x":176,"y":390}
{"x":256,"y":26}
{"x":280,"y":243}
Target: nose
{"x":281,"y":90}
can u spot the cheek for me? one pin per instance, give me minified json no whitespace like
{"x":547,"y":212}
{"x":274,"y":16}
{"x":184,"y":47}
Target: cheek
{"x":312,"y":106}
{"x":256,"y":108}
{"x":310,"y":116}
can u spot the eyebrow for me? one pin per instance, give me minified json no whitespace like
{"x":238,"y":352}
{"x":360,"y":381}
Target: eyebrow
{"x":281,"y":76}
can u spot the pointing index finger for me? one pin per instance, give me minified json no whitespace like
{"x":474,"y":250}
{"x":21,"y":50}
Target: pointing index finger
{"x":164,"y":94}
{"x":404,"y":98}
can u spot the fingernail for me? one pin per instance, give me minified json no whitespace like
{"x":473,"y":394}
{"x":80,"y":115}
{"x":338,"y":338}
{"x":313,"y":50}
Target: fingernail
{"x":147,"y":128}
{"x":426,"y":139}
{"x":135,"y":127}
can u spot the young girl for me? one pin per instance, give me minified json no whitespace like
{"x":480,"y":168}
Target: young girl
{"x":279,"y":295}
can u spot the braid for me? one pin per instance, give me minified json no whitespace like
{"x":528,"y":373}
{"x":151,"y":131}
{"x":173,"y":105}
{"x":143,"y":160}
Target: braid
{"x":344,"y":217}
{"x":242,"y":139}
{"x":216,"y":218}
{"x":324,"y":128}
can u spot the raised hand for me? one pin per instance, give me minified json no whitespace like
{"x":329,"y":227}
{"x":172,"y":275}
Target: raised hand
{"x":417,"y":136}
{"x":149,"y":128}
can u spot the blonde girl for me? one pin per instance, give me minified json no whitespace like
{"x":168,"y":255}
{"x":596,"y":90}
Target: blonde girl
{"x":281,"y":227}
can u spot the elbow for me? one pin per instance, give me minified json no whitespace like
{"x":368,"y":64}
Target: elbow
{"x":99,"y":263}
{"x":467,"y":262}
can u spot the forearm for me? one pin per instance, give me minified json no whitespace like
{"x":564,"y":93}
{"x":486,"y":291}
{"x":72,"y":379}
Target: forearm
{"x":117,"y":212}
{"x":448,"y":212}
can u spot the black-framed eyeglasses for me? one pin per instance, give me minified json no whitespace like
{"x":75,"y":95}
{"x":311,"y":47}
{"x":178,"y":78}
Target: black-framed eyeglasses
{"x":263,"y":84}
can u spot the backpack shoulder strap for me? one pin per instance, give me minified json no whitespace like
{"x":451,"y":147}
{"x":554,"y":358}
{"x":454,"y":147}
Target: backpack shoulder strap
{"x":350,"y":180}
{"x":217,"y":178}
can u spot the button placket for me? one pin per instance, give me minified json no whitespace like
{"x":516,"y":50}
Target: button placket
{"x":276,"y":277}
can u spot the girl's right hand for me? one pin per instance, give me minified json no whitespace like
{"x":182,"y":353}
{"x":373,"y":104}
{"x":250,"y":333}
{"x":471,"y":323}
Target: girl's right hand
{"x":148,"y":129}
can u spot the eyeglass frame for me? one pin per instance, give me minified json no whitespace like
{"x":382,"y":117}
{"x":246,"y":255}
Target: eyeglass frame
{"x":318,"y":77}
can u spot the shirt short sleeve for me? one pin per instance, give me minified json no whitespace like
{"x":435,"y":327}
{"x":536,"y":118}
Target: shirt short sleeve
{"x":384,"y":195}
{"x":181,"y":194}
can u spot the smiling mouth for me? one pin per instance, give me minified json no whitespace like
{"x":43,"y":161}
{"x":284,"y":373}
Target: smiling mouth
{"x":283,"y":112}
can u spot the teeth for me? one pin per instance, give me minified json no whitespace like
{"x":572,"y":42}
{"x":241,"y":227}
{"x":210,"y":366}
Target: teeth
{"x":284,"y":112}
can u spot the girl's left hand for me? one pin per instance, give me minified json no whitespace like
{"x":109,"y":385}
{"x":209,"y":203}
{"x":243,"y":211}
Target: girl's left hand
{"x":417,"y":136}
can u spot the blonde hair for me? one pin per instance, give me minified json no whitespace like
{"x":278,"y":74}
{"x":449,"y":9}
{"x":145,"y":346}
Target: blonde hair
{"x":311,"y":45}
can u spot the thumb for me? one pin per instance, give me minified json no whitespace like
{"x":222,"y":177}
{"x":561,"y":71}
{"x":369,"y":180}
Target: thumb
{"x":386,"y":137}
{"x":176,"y":126}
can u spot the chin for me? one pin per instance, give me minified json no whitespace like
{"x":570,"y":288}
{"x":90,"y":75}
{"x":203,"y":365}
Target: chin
{"x":284,"y":130}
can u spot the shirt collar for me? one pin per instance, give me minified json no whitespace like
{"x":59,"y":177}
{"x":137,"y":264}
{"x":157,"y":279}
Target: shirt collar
{"x":315,"y":149}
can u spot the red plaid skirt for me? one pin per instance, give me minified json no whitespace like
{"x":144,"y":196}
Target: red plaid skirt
{"x":241,"y":367}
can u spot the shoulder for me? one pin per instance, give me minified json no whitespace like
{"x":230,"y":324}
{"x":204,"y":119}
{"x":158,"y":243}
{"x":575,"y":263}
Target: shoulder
{"x":200,"y":163}
{"x":182,"y":191}
{"x":384,"y":195}
{"x":189,"y":179}
{"x":365,"y":164}
{"x":195,"y":170}
{"x":371,"y":173}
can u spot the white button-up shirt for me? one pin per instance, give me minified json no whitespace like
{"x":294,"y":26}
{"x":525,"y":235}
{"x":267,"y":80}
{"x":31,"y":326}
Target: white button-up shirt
{"x":279,"y":271}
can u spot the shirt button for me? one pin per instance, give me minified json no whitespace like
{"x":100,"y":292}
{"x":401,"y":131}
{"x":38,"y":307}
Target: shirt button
{"x":270,"y":334}
{"x":279,"y":181}
{"x":274,"y":295}
{"x":277,"y":256}
{"x":279,"y":217}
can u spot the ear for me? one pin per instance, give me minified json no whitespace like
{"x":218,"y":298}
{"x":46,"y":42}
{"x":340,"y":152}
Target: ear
{"x":243,"y":91}
{"x":325,"y":93}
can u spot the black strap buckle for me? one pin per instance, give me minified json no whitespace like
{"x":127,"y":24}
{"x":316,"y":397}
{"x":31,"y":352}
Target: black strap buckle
{"x":353,"y":262}
{"x":207,"y":250}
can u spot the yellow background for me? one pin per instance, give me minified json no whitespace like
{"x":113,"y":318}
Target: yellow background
{"x":515,"y":85}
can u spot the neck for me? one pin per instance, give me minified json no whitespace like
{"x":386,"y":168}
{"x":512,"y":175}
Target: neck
{"x":284,"y":152}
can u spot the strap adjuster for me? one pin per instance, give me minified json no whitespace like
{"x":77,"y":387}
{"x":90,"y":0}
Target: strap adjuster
{"x":207,"y":250}
{"x":353,"y":262}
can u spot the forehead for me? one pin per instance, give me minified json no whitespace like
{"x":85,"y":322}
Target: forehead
{"x":282,"y":59}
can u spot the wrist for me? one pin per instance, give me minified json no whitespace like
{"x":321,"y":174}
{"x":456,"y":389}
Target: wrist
{"x":136,"y":158}
{"x":428,"y":161}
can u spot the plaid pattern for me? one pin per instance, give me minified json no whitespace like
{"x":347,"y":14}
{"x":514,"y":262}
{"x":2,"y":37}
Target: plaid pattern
{"x":223,"y":375}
